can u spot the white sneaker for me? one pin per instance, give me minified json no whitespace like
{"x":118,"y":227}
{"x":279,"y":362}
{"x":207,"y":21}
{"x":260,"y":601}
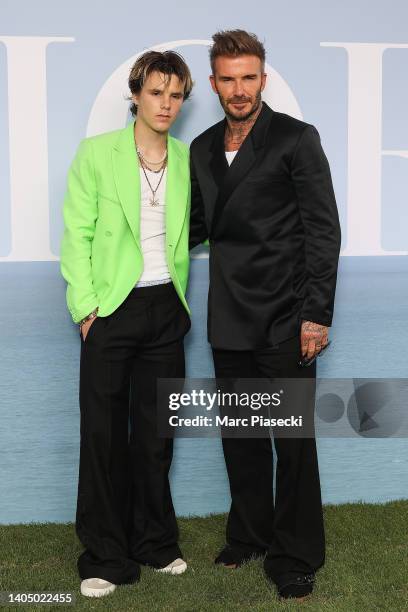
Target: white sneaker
{"x":96,"y":587}
{"x":178,"y":566}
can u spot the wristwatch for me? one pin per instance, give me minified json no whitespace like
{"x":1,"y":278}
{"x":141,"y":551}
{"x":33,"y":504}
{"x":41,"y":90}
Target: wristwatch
{"x":91,"y":316}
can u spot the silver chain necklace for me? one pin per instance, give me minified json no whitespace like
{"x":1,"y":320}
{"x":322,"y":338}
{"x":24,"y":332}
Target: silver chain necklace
{"x":151,"y":162}
{"x":153,"y":201}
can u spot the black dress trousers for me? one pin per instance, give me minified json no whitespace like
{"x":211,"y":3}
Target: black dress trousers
{"x":290,"y":528}
{"x":125,"y":515}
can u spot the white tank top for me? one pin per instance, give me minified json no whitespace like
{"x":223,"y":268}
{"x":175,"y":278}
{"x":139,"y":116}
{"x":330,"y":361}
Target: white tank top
{"x":153,"y":229}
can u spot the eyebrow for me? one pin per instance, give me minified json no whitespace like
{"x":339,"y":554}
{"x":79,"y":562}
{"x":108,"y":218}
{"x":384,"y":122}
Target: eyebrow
{"x":151,"y":89}
{"x":228,"y":76}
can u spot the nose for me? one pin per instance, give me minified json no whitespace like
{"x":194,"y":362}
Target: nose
{"x":238,"y":89}
{"x":165,"y":103}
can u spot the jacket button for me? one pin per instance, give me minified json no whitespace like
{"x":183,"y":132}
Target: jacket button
{"x":108,"y":233}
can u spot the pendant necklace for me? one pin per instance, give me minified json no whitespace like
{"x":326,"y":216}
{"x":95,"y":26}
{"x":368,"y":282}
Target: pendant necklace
{"x":153,"y":201}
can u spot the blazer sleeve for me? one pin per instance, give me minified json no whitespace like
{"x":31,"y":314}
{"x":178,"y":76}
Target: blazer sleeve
{"x":318,"y":210}
{"x":80,"y":212}
{"x":198,"y":227}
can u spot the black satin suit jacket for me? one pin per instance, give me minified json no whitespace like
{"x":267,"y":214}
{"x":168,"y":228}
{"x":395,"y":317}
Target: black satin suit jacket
{"x":273,"y":228}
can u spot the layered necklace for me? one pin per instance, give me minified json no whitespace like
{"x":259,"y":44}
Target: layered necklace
{"x":145,"y":165}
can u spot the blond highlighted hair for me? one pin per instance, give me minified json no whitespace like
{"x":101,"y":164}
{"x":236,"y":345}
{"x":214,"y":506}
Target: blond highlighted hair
{"x":167,"y":63}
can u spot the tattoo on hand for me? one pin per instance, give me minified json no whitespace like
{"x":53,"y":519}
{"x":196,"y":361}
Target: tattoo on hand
{"x":314,"y":337}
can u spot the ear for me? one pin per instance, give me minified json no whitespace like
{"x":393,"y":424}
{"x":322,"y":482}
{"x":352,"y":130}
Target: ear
{"x":263,"y":80}
{"x":213,"y":85}
{"x":135,"y":99}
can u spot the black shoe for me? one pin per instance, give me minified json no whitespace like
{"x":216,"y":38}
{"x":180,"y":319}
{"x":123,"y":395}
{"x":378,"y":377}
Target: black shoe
{"x":296,"y":586}
{"x":234,"y":557}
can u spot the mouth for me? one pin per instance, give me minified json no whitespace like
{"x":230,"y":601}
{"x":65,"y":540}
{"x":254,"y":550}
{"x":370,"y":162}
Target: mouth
{"x":163,"y":117}
{"x":239,"y":105}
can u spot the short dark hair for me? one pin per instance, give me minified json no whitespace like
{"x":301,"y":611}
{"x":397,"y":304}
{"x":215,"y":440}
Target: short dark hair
{"x":232,"y":43}
{"x":166,"y":62}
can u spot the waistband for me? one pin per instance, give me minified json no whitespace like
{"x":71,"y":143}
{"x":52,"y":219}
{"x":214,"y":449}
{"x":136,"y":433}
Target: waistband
{"x":162,"y":281}
{"x":149,"y":290}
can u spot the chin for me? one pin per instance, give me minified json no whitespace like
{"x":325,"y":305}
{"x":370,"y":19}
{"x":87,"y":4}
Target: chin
{"x":161,"y":129}
{"x":242,"y":115}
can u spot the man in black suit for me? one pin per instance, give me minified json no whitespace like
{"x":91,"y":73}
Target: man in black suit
{"x":262,"y":195}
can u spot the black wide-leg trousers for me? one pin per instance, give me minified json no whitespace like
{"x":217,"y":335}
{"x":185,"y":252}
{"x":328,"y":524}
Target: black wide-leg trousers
{"x":125,"y":515}
{"x":290,"y":528}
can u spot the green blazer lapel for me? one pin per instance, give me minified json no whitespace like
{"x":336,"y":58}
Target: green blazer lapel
{"x":127,"y":178}
{"x":177,"y":186}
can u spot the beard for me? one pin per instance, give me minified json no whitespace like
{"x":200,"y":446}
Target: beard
{"x":257,"y":101}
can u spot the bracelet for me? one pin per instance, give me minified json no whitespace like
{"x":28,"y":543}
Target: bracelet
{"x":91,"y":316}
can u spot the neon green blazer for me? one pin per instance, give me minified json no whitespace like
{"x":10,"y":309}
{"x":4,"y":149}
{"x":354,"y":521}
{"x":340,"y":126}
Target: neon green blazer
{"x":101,"y":257}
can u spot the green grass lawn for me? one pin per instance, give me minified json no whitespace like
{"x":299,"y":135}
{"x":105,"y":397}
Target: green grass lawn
{"x":366,"y":567}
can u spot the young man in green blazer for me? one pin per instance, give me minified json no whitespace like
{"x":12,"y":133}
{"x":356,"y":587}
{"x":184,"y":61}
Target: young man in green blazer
{"x":125,"y":258}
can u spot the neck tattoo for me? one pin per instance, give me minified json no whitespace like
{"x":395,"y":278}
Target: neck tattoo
{"x":237,"y":131}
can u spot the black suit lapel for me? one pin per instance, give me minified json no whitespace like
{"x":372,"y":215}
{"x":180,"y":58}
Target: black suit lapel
{"x":228,"y":178}
{"x":218,"y":161}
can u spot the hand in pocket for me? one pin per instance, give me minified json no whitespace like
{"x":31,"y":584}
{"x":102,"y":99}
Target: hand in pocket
{"x":86,"y":326}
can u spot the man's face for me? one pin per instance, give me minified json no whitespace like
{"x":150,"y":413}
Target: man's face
{"x":159,"y":101}
{"x":238,"y":81}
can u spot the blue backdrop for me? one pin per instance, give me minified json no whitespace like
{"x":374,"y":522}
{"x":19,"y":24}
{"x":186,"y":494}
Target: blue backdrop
{"x":341,"y":66}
